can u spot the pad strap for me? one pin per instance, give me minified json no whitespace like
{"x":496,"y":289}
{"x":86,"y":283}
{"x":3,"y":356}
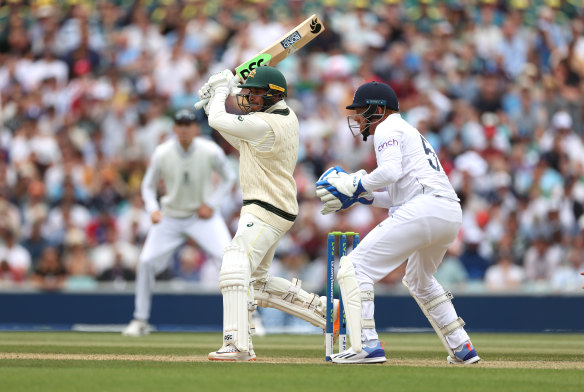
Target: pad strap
{"x":368,"y":323}
{"x":434,"y":302}
{"x":367,"y":295}
{"x":453,"y":326}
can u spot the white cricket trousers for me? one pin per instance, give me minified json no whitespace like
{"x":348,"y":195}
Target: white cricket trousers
{"x":163,"y":239}
{"x":259,"y":240}
{"x":419,"y":231}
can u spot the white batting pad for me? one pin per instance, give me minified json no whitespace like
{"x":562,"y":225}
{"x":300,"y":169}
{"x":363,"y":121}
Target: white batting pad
{"x":281,"y":294}
{"x":445,"y":330}
{"x":234,"y":285}
{"x":351,"y":295}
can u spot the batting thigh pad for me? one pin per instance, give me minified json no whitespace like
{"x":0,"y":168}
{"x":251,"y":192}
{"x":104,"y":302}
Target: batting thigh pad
{"x":351,"y":295}
{"x":281,"y":294}
{"x":234,"y":284}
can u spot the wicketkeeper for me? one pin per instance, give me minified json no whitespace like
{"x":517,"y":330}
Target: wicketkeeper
{"x":267,"y":140}
{"x":424,"y":219}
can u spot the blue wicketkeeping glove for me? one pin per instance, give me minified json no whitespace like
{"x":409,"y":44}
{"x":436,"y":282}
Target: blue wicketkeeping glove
{"x":339,"y":190}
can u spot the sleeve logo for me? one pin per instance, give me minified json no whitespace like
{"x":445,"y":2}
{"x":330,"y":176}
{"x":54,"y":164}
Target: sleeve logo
{"x":388,"y":143}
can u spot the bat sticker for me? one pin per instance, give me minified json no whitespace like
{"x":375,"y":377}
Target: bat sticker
{"x":291,"y":40}
{"x":261,"y":59}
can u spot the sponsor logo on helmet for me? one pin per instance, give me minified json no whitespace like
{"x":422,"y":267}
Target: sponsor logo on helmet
{"x":290,"y":40}
{"x":276,"y":87}
{"x":382,"y":102}
{"x":388,"y":143}
{"x":315,"y":26}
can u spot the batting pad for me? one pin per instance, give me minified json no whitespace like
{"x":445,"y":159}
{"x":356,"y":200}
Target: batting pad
{"x":433,"y":303}
{"x":234,"y":285}
{"x":351,"y":295}
{"x":281,"y":294}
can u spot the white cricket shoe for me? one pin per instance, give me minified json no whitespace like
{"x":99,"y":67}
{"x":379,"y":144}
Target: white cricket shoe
{"x":230,"y":353}
{"x":465,"y":354}
{"x":372,"y":352}
{"x":136,"y":328}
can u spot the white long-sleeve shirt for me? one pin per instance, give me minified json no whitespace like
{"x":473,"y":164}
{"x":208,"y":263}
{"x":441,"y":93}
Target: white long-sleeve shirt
{"x":236,"y":128}
{"x":407,"y":166}
{"x":187,"y":177}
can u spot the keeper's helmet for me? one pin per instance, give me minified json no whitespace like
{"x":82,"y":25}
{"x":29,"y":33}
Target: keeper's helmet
{"x":371,"y":96}
{"x":267,"y":78}
{"x":185,"y":117}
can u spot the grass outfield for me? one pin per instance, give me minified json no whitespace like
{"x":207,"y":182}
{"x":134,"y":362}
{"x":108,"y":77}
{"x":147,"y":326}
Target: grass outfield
{"x":76,"y":361}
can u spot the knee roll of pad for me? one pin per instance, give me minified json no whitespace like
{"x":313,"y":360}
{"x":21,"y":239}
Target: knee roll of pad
{"x":234,"y":268}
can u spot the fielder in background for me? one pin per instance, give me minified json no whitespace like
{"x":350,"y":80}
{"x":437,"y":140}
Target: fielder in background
{"x":267,"y":140}
{"x":189,"y":208}
{"x":424,"y":219}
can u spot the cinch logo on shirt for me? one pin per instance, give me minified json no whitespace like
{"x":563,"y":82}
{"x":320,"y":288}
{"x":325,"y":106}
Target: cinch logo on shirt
{"x":388,"y":143}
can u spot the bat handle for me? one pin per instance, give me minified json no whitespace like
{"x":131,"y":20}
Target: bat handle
{"x":201,"y":103}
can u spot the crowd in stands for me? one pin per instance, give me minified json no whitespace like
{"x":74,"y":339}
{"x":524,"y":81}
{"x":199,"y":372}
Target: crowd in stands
{"x":88,"y":89}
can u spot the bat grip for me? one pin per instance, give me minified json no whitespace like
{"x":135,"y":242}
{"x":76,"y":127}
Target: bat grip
{"x":201,"y":103}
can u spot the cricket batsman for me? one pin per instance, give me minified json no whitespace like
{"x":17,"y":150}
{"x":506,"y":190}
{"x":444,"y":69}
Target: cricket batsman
{"x":266,"y":137}
{"x":424,"y":219}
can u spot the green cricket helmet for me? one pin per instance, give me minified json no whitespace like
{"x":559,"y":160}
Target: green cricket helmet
{"x":267,"y":78}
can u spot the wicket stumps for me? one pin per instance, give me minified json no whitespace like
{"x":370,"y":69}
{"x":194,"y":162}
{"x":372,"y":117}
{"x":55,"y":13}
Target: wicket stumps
{"x":330,"y":291}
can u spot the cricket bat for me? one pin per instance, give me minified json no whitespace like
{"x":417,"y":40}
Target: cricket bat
{"x":288,"y":44}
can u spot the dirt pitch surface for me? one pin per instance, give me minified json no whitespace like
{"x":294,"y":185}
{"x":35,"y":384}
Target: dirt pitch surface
{"x":291,"y":360}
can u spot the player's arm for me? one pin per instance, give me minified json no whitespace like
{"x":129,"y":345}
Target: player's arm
{"x":249,"y":128}
{"x":389,"y":165}
{"x":149,"y":186}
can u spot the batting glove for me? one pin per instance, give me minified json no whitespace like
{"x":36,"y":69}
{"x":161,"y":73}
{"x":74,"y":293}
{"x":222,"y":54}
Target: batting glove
{"x":221,"y":79}
{"x":205,"y":92}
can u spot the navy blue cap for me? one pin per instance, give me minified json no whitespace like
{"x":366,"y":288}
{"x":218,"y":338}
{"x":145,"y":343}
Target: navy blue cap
{"x":185,"y":117}
{"x":375,"y":93}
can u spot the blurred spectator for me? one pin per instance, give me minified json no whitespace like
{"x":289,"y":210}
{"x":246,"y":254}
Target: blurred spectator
{"x":566,"y":278}
{"x":49,"y":274}
{"x":102,"y":228}
{"x":475,"y":264}
{"x":35,"y":243}
{"x":106,"y":254}
{"x":541,"y":259}
{"x":80,"y":271}
{"x":504,"y":275}
{"x":118,"y":272}
{"x":15,"y":256}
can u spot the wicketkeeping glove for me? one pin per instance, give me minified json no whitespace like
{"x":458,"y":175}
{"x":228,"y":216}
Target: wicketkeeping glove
{"x":344,"y":186}
{"x":351,"y":190}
